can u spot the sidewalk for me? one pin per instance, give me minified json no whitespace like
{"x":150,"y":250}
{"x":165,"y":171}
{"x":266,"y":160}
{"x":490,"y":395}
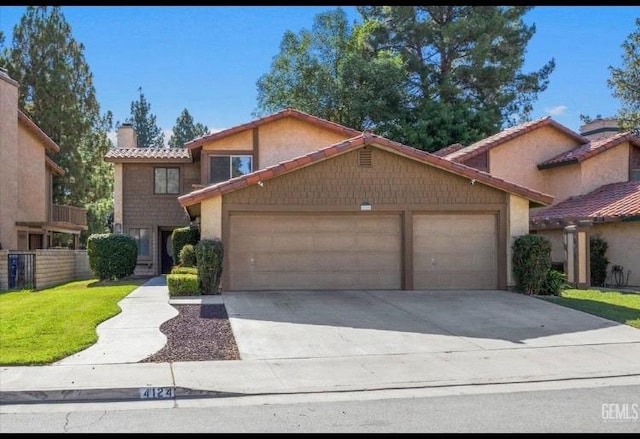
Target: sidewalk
{"x":108,"y":370}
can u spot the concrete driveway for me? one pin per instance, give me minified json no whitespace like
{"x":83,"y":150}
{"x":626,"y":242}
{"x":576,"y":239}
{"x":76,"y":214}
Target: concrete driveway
{"x":315,"y":324}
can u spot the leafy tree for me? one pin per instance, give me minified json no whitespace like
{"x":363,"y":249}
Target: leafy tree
{"x":331,"y":72}
{"x":464,"y":66}
{"x":625,"y":81}
{"x":144,"y":122}
{"x":185,"y":130}
{"x":57,"y":93}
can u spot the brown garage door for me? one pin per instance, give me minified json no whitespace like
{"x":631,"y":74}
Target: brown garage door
{"x":314,"y":251}
{"x":455,"y":251}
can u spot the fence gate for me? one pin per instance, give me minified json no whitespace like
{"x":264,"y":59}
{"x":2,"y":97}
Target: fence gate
{"x":22,"y":270}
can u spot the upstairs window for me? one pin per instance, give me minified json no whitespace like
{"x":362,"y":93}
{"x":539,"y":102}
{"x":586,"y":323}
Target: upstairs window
{"x":224,"y":167}
{"x":166,"y":181}
{"x":634,"y":169}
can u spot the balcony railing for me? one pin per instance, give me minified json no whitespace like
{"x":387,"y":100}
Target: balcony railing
{"x":69,"y":215}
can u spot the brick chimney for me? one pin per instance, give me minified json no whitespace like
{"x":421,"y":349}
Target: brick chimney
{"x":600,"y":128}
{"x":127,"y":137}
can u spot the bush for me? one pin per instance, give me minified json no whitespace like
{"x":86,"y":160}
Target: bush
{"x":554,"y":283}
{"x":598,"y":260}
{"x":183,"y":284}
{"x":112,"y":256}
{"x":181,"y":237}
{"x":209,"y":254}
{"x":531,"y":263}
{"x":184,"y":270}
{"x":188,"y":256}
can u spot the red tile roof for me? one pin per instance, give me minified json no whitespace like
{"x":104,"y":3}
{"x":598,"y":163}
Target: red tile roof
{"x":363,"y":139}
{"x":148,"y":155}
{"x":49,"y":144}
{"x":289,"y":112}
{"x":483,"y":145}
{"x":589,"y":150}
{"x":448,"y":149}
{"x":608,"y":202}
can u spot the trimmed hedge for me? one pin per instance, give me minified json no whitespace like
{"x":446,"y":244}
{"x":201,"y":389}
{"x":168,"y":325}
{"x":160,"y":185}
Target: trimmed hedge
{"x":180,"y":237}
{"x":188,"y":256}
{"x":209,"y":254}
{"x":183,"y":284}
{"x":531,"y":263}
{"x":184,"y":270}
{"x":112,"y":256}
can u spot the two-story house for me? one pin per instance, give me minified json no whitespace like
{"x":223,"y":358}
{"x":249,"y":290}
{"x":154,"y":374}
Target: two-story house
{"x":594,"y":178}
{"x":30,"y":223}
{"x":303,"y":203}
{"x":28,"y":217}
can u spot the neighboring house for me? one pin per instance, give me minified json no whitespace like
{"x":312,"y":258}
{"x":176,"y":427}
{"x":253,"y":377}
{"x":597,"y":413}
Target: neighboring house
{"x":28,"y":218}
{"x":357,"y":213}
{"x":29,"y":221}
{"x":592,"y":177}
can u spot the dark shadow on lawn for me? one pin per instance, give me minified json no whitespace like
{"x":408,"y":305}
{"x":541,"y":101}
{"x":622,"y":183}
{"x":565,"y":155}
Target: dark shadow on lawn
{"x":137,"y":280}
{"x":609,"y":311}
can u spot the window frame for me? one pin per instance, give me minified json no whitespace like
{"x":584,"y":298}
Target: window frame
{"x":135,"y":233}
{"x":166,"y":183}
{"x":230,"y":157}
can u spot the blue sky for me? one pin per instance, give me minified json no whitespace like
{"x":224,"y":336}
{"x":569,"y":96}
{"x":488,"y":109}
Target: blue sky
{"x":208,"y":58}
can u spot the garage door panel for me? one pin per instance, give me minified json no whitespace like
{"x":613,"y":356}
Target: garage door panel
{"x":323,"y":251}
{"x":453,"y":251}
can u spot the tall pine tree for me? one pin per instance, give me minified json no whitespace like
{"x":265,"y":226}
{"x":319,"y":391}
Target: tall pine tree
{"x":144,"y":122}
{"x":185,"y":129}
{"x":625,"y":82}
{"x":56,"y":91}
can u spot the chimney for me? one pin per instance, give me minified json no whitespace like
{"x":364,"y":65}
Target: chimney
{"x":600,"y":128}
{"x":127,"y":137}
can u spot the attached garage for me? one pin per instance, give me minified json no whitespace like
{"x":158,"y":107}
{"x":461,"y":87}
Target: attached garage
{"x":455,"y":251}
{"x":314,"y":251}
{"x":367,"y":213}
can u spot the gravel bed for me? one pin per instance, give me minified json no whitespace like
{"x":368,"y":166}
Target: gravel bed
{"x":197,"y":333}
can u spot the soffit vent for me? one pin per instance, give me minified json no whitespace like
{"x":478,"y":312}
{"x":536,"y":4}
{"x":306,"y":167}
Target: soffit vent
{"x":364,"y":158}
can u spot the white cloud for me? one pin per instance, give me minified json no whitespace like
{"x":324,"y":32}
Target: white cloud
{"x":113,"y":136}
{"x":556,"y":111}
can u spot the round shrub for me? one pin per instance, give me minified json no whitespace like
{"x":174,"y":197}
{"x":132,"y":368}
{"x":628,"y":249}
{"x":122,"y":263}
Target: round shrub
{"x":209,"y":255}
{"x":531,"y":263}
{"x":188,"y":256}
{"x":180,"y":237}
{"x":112,"y":256}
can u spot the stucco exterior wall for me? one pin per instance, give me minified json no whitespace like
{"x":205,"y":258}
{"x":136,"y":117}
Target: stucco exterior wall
{"x":8,"y":162}
{"x":624,"y":246}
{"x":556,"y":236}
{"x":517,"y":159}
{"x":563,"y":181}
{"x":211,"y":218}
{"x":239,"y":141}
{"x":611,"y":166}
{"x":287,"y":138}
{"x":32,"y":187}
{"x":517,"y":225}
{"x":118,"y":207}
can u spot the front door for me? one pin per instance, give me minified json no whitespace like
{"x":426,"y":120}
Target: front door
{"x":166,"y":251}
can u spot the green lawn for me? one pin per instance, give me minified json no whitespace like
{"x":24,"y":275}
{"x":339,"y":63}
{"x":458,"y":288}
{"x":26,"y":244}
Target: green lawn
{"x":612,"y":305}
{"x":40,"y":327}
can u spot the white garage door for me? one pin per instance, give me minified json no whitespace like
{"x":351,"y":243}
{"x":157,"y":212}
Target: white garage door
{"x":314,"y":251}
{"x":454,"y":251}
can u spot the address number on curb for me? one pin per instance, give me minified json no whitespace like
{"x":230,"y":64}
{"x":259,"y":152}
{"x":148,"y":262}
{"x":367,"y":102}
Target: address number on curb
{"x":156,"y":392}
